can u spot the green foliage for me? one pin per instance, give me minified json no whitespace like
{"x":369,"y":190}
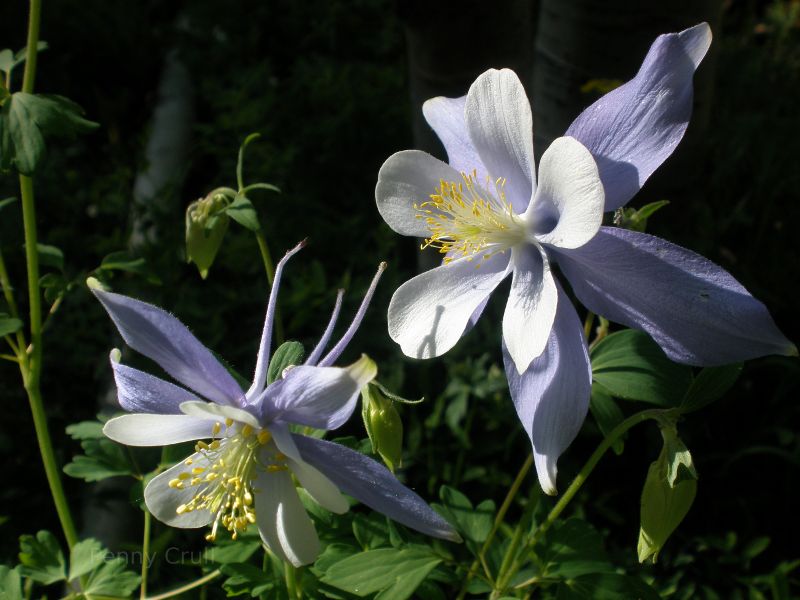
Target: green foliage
{"x":9,"y":325}
{"x":10,"y":584}
{"x":607,"y":413}
{"x":41,"y":558}
{"x":126,"y":262}
{"x":636,"y":219}
{"x":710,"y":385}
{"x":473,"y":523}
{"x":42,"y":561}
{"x":241,"y":210}
{"x":27,"y":121}
{"x":631,"y":366}
{"x":102,"y":458}
{"x":288,"y":354}
{"x":393,"y":572}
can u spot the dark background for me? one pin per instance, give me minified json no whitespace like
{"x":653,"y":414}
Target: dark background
{"x":334,"y":88}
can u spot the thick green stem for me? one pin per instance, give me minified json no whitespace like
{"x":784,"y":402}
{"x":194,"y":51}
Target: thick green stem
{"x":31,"y":371}
{"x":145,"y":554}
{"x":189,"y":586}
{"x":582,"y":476}
{"x":501,"y":514}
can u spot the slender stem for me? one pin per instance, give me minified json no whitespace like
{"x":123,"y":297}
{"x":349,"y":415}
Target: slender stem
{"x":583,"y":474}
{"x":504,"y":574}
{"x":145,"y":554}
{"x":32,"y":50}
{"x":189,"y":586}
{"x":269,"y":268}
{"x":5,"y":283}
{"x":290,"y":573}
{"x":501,"y":514}
{"x":31,"y":371}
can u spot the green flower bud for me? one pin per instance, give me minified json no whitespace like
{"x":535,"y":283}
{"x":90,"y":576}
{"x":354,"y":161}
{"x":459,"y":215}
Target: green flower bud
{"x":668,"y":493}
{"x":206,"y":224}
{"x":383,"y":424}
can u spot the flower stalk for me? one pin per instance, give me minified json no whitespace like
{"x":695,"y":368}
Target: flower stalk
{"x":31,"y":359}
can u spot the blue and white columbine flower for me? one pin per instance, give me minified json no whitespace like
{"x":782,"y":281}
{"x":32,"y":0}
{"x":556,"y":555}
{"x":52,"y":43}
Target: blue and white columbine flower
{"x":241,"y":471}
{"x":489,"y":215}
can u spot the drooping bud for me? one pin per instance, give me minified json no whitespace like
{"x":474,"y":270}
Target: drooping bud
{"x":383,"y":424}
{"x":206,"y":224}
{"x":668,"y":493}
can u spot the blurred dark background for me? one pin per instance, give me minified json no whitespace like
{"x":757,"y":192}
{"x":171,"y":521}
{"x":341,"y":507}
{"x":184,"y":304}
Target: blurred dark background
{"x":335,"y":87}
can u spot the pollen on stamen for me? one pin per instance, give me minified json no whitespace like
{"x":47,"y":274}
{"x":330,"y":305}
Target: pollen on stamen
{"x":466,"y":220}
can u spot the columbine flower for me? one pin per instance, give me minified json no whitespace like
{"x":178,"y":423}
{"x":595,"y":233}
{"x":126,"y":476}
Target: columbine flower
{"x":241,"y":471}
{"x":487,"y":213}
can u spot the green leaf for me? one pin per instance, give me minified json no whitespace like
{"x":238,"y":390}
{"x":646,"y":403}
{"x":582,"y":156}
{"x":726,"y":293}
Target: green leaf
{"x":396,"y":572}
{"x":710,"y":385}
{"x":370,"y":530}
{"x":636,"y":220}
{"x":10,"y":584}
{"x":9,"y":325}
{"x":241,"y":210}
{"x":665,"y":501}
{"x":50,"y":256}
{"x":632,"y":366}
{"x":237,"y":551}
{"x":6,"y":60}
{"x":606,"y":586}
{"x":7,"y":202}
{"x":41,"y":558}
{"x":607,"y":414}
{"x":102,"y":457}
{"x":394,"y":397}
{"x":261,"y":186}
{"x":112,"y":579}
{"x":244,"y":578}
{"x":573,"y":548}
{"x":85,"y":557}
{"x":474,"y":523}
{"x":125,"y":261}
{"x":288,"y":354}
{"x":28,"y":120}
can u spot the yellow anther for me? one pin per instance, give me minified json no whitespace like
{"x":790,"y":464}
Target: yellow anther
{"x":183,"y":476}
{"x":181,"y":509}
{"x":247,"y":430}
{"x":214,"y":445}
{"x":201,"y":445}
{"x":264,"y":436}
{"x":188,"y":461}
{"x":228,"y":422}
{"x":280,"y":456}
{"x":196,"y":480}
{"x":198,"y":470}
{"x":216,"y":429}
{"x":211,"y":537}
{"x":174,"y":483}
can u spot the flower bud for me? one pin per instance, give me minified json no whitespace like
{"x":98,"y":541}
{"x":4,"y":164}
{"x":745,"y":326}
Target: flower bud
{"x":383,"y":424}
{"x":206,"y":224}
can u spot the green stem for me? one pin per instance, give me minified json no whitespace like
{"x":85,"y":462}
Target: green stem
{"x":145,"y":554}
{"x":31,"y":371}
{"x":189,"y":586}
{"x":501,"y":514}
{"x":504,"y":574}
{"x":618,"y":431}
{"x":290,"y":573}
{"x":587,"y":325}
{"x":269,"y":268}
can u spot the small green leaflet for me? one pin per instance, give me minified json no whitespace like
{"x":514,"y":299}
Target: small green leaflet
{"x":242,"y":211}
{"x":41,"y":558}
{"x":10,"y":584}
{"x":102,"y":457}
{"x":9,"y":325}
{"x":710,"y":385}
{"x":27,"y":121}
{"x":474,"y":523}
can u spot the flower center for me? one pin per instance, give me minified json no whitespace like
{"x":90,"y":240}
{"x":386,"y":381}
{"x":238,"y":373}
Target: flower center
{"x":225,"y":485}
{"x":466,"y":220}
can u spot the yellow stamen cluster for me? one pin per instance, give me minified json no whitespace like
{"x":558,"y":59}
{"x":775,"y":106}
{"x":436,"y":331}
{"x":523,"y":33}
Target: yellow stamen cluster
{"x":225,"y":485}
{"x":462,"y":221}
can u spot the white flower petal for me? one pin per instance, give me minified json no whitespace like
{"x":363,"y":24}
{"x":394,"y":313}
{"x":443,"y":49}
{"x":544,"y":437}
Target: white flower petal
{"x":446,"y":117}
{"x":162,"y":501}
{"x":531,"y":306}
{"x":156,"y":430}
{"x":500,"y":124}
{"x":429,"y":313}
{"x":282,"y":521}
{"x":216,"y":412}
{"x":569,"y":201}
{"x":407,"y":178}
{"x":319,"y":487}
